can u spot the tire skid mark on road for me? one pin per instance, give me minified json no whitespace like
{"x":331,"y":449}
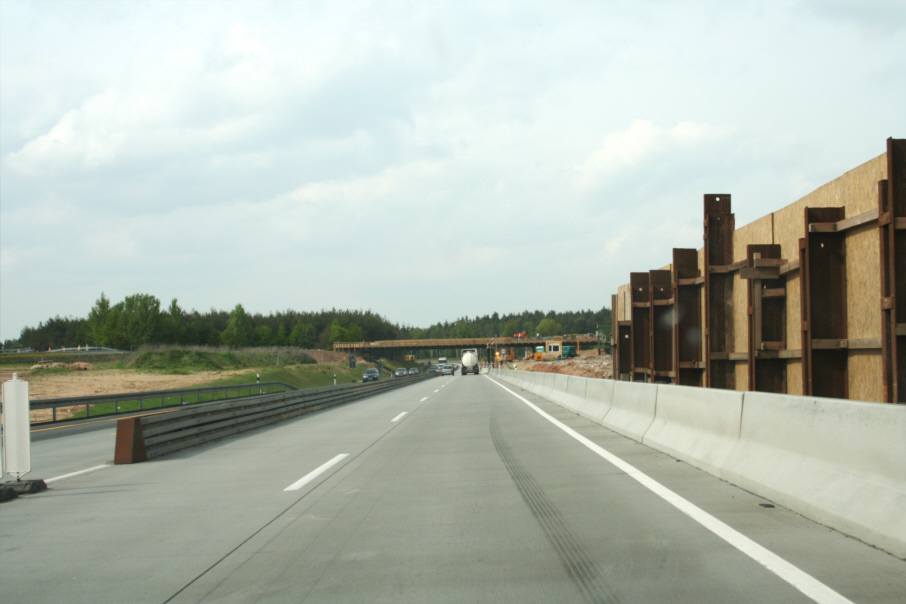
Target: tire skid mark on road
{"x":793,"y":575}
{"x":576,"y":561}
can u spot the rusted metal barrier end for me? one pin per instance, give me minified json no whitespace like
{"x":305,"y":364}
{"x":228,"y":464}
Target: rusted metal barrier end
{"x":130,"y":442}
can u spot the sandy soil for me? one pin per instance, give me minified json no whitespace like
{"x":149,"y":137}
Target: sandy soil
{"x":588,"y":364}
{"x":108,"y":381}
{"x":84,"y":380}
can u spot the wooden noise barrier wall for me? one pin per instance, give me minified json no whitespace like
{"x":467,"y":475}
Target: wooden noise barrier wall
{"x":808,"y":300}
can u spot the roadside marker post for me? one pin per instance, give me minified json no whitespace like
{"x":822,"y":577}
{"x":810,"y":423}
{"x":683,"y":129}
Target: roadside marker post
{"x":16,"y":458}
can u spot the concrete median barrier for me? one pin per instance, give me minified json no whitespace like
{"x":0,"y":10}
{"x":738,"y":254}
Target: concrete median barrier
{"x":838,"y":462}
{"x":598,"y":399}
{"x":698,"y":425}
{"x":537,"y":383}
{"x":568,"y":391}
{"x":632,"y":411}
{"x":527,"y":380}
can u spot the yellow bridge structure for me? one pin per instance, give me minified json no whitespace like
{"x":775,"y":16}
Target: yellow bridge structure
{"x":394,"y":347}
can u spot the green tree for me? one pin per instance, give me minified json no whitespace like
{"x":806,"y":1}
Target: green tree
{"x":139,"y":320}
{"x":511,"y":327}
{"x":303,"y":335}
{"x":355,"y":333}
{"x":101,"y":322}
{"x":264,"y":336}
{"x":462,"y":329}
{"x":548,"y":327}
{"x":174,"y":324}
{"x":239,"y":332}
{"x":337,"y":333}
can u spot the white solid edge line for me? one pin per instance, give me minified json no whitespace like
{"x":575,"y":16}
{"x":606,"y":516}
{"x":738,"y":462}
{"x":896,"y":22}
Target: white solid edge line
{"x":802,"y":581}
{"x":315,"y":473}
{"x":73,"y":474}
{"x":399,"y":417}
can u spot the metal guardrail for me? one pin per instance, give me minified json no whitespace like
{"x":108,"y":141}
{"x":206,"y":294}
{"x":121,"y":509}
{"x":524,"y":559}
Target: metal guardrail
{"x":145,"y":437}
{"x":64,"y":349}
{"x":129,"y":402}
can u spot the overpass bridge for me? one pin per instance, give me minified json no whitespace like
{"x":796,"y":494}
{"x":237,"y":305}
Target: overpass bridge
{"x":394,"y":347}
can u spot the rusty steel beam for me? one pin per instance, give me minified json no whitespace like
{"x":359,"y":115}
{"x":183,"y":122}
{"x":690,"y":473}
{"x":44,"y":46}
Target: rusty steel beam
{"x":719,"y":229}
{"x":823,"y":300}
{"x":687,"y":285}
{"x":766,"y":317}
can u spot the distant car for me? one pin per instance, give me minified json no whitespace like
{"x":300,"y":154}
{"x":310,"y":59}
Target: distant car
{"x":401,"y":372}
{"x":445,"y":369}
{"x":432,"y":369}
{"x":371,"y":375}
{"x":413,"y":371}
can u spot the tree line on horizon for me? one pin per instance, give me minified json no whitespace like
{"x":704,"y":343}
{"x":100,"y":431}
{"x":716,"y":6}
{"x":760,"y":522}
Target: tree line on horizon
{"x":139,"y":320}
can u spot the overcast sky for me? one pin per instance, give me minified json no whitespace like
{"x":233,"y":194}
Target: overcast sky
{"x":423,"y":160}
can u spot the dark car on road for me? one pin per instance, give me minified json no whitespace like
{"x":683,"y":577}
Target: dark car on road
{"x":371,"y":375}
{"x":401,"y":372}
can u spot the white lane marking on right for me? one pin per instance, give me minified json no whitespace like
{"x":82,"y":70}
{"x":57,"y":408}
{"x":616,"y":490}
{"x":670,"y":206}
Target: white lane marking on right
{"x":72,"y":474}
{"x":315,"y":473}
{"x":804,"y":582}
{"x":399,"y":417}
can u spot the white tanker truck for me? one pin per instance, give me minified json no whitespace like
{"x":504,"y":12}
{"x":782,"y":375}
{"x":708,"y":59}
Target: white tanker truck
{"x":470,"y":361}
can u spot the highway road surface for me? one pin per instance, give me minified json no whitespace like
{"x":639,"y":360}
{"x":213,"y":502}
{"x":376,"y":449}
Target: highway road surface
{"x":454,"y":489}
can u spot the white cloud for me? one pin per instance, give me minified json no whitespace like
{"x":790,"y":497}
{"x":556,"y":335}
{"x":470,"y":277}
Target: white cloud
{"x":643,"y":141}
{"x":426,"y":161}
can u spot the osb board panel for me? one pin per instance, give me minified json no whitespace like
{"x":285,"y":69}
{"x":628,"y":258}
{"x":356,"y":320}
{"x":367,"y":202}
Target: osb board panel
{"x":794,"y":377}
{"x":622,"y":312}
{"x":857,"y":190}
{"x":864,"y":370}
{"x":789,"y":228}
{"x":863,"y":283}
{"x":760,"y":231}
{"x":742,"y":375}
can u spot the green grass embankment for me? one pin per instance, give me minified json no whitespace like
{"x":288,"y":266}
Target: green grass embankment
{"x":290,"y":366}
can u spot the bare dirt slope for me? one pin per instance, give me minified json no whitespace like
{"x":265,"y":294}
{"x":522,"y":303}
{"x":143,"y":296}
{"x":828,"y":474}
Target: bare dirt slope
{"x":587,"y":364}
{"x":59,"y":384}
{"x":84,"y":380}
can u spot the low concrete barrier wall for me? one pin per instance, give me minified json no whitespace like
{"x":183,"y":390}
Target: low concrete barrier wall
{"x":698,"y":425}
{"x":841,"y":463}
{"x":632,"y":409}
{"x":598,"y":400}
{"x":568,"y":391}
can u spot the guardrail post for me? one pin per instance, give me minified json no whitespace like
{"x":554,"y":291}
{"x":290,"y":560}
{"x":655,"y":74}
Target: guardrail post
{"x":130,"y":442}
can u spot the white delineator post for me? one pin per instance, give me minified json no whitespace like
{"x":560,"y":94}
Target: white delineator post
{"x":16,"y":428}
